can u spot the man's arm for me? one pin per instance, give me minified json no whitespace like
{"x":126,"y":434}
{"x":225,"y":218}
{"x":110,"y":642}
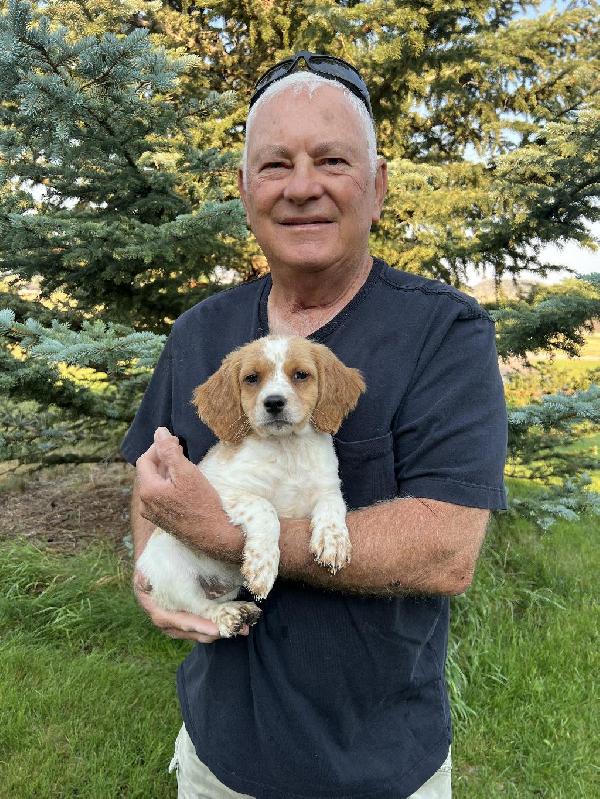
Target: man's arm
{"x":176,"y":625}
{"x":141,"y":529}
{"x":403,"y":546}
{"x":406,"y":545}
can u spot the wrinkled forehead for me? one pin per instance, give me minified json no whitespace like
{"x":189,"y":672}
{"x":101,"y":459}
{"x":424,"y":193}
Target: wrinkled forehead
{"x":301,"y":113}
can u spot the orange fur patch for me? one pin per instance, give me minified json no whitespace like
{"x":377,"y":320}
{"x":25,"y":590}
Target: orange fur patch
{"x":225,"y":401}
{"x":340,"y":388}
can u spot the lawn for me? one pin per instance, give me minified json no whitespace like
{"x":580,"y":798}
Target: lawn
{"x":88,"y":705}
{"x":527,"y":638}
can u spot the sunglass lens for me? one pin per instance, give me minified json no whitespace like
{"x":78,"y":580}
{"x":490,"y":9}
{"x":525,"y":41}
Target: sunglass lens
{"x":276,"y":72}
{"x":337,"y":68}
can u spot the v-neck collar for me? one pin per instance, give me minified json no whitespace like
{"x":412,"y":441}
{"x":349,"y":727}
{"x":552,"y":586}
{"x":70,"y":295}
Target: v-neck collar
{"x":323,"y":332}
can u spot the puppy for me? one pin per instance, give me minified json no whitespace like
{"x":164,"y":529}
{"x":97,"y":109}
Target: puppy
{"x":274,"y":405}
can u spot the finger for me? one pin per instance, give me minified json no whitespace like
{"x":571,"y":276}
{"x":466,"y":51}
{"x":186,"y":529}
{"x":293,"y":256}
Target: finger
{"x":144,"y":600}
{"x":170,"y":452}
{"x":189,"y":623}
{"x":165,"y":443}
{"x":141,"y":582}
{"x":179,"y":620}
{"x":189,"y":634}
{"x":163,"y":440}
{"x":183,"y":636}
{"x":163,"y":434}
{"x":147,"y":468}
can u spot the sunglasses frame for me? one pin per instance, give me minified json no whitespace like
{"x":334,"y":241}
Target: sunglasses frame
{"x":353,"y":83}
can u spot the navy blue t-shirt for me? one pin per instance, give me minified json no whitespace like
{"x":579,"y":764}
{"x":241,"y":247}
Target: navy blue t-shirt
{"x":335,"y":695}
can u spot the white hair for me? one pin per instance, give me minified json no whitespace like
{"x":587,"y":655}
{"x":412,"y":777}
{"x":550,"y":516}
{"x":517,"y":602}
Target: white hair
{"x":308,"y":82}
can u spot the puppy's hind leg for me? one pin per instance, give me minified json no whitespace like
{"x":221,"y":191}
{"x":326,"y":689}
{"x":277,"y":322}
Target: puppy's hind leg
{"x":229,"y":614}
{"x":230,"y":617}
{"x":182,"y":579}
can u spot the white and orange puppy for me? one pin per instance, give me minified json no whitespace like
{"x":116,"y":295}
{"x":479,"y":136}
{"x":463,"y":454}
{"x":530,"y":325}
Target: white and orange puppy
{"x":274,"y":405}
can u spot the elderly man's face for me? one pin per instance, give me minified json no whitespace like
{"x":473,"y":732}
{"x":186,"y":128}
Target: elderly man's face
{"x":311,"y":197}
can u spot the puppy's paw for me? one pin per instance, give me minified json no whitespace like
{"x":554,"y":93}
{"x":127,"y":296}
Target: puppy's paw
{"x":259,"y":570}
{"x":232,"y":616}
{"x":330,"y":544}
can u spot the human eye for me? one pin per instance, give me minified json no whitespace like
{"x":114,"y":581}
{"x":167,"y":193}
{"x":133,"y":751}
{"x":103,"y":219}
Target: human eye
{"x":334,"y":161}
{"x":274,"y":165}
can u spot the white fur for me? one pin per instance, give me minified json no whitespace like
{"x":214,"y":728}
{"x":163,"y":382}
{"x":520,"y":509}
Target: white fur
{"x":259,"y":480}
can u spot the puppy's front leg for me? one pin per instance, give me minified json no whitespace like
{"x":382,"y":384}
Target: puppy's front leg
{"x":330,"y":541}
{"x":258,"y":519}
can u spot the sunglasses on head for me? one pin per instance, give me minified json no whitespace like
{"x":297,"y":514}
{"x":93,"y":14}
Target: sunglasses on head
{"x":326,"y":66}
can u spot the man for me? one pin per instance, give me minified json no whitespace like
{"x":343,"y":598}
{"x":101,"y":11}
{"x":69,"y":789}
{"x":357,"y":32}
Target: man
{"x":339,"y":690}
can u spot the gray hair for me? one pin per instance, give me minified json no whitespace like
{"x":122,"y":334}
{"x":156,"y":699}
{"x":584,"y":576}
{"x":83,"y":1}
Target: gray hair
{"x":309,"y":82}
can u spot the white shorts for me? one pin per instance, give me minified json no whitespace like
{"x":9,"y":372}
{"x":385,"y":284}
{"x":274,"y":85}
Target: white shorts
{"x":195,"y":781}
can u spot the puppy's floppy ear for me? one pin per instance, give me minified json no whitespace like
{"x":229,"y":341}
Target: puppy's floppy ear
{"x":218,"y":401}
{"x":339,"y":390}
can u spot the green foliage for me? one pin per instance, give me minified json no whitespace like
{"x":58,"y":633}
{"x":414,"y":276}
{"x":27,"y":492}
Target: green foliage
{"x":120,"y":133}
{"x":524,"y":643}
{"x":105,"y":187}
{"x":548,"y":377}
{"x":82,"y":602}
{"x":488,"y":117}
{"x":540,"y":447}
{"x":95,"y":344}
{"x":552,"y":319}
{"x":86,"y":383}
{"x":82,"y":673}
{"x":547,"y":431}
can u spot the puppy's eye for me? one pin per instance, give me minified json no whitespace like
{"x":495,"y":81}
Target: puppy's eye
{"x":300,"y":375}
{"x":251,"y":378}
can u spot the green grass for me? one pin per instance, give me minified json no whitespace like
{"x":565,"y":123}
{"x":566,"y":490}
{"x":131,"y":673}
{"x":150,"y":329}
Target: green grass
{"x":88,"y":705}
{"x":525,"y":640}
{"x":87,"y":694}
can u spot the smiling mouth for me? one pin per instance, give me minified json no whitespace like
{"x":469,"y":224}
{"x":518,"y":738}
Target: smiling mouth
{"x":307,"y":223}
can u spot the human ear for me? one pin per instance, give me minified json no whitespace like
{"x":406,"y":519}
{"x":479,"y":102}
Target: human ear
{"x":381,"y":185}
{"x":243,"y":193}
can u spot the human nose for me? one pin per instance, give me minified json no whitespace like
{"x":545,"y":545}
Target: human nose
{"x":303,"y":184}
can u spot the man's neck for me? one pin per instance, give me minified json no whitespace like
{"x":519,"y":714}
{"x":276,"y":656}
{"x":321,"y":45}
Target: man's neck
{"x":300,"y":304}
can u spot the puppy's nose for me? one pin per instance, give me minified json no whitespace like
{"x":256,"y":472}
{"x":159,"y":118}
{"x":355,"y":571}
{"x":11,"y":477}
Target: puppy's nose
{"x":274,"y":403}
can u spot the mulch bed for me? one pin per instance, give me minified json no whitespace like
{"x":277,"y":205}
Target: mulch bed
{"x":67,"y":508}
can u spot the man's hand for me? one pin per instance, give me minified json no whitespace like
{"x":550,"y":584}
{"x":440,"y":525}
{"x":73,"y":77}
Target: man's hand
{"x":172,"y":494}
{"x":169,"y":485}
{"x":179,"y":624}
{"x":175,"y":496}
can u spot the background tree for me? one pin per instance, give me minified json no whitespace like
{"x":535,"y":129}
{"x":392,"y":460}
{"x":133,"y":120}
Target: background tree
{"x":120,"y":133}
{"x":489,"y":119}
{"x":108,"y":192}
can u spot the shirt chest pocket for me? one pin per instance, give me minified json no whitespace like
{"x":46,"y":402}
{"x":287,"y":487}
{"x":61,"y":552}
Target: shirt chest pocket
{"x":366,"y":469}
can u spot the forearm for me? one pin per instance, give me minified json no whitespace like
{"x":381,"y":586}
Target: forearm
{"x":404,"y":546}
{"x":141,"y":529}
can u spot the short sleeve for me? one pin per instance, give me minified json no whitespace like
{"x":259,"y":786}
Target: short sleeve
{"x":450,"y":433}
{"x":155,"y":409}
